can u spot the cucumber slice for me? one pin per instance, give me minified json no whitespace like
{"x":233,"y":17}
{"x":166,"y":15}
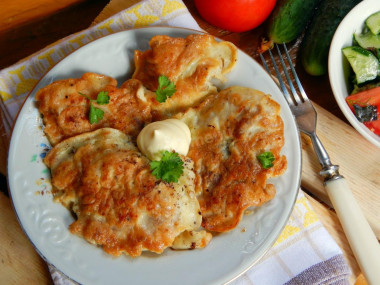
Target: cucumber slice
{"x":365,"y":65}
{"x":368,"y":40}
{"x":373,"y":23}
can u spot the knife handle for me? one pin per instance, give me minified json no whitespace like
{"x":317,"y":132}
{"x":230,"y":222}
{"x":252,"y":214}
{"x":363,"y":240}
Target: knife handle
{"x":360,"y":236}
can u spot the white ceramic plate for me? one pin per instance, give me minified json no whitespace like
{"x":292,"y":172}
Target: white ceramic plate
{"x":46,"y":223}
{"x":338,"y":66}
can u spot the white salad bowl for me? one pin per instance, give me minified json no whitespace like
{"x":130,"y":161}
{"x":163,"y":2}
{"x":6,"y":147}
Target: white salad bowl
{"x":338,"y":66}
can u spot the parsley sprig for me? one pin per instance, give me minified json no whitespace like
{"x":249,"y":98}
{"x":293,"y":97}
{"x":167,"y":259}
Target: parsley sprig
{"x":266,"y":159}
{"x":97,"y":114}
{"x":169,"y":168}
{"x":165,"y":89}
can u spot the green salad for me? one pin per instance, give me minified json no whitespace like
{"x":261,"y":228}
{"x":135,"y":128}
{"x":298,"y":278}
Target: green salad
{"x":364,"y":59}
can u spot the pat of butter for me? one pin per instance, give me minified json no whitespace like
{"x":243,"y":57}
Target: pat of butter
{"x":170,"y":134}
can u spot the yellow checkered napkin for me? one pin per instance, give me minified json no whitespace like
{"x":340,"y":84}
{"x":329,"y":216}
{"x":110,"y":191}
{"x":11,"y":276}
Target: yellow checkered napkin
{"x":303,"y":254}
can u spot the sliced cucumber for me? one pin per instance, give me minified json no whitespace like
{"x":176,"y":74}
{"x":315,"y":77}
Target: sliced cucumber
{"x":365,"y":65}
{"x":368,"y":40}
{"x":373,"y":23}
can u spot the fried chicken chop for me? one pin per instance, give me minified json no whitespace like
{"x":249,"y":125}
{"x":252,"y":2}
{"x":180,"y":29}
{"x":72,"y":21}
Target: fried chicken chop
{"x":100,"y":175}
{"x":66,"y":112}
{"x":103,"y":178}
{"x":190,"y":63}
{"x":229,"y":130}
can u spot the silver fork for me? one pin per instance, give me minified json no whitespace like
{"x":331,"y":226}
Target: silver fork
{"x":363,"y":242}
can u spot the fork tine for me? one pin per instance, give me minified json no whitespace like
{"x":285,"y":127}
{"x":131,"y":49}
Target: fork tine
{"x":300,"y":88}
{"x":286,"y":73}
{"x":264,"y":63}
{"x":278,"y":75}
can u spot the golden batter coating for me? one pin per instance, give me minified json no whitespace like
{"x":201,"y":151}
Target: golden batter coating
{"x":229,"y":130}
{"x":66,"y":112}
{"x":190,"y":63}
{"x":119,"y":204}
{"x":99,"y":174}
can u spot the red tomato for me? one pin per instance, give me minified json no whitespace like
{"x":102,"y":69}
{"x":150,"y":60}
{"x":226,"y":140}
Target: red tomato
{"x":365,"y":98}
{"x":235,"y":15}
{"x":374,"y":126}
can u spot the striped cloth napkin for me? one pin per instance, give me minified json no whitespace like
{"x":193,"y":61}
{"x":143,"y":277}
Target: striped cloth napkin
{"x":304,"y":253}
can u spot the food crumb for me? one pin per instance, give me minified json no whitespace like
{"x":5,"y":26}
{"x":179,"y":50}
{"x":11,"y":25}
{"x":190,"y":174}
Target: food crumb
{"x":248,"y":212}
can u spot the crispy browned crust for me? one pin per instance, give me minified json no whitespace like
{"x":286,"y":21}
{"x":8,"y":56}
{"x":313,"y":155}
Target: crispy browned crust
{"x":66,"y":112}
{"x":99,"y":174}
{"x":229,"y":130}
{"x":190,"y":63}
{"x":119,"y":204}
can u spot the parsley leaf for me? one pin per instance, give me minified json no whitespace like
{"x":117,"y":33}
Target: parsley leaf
{"x":103,"y":98}
{"x":97,"y":114}
{"x":169,"y":168}
{"x":266,"y":159}
{"x":166,"y":88}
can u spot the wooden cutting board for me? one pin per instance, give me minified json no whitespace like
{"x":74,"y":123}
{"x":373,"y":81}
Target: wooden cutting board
{"x":20,"y":263}
{"x":358,"y":159}
{"x":18,"y":257}
{"x":359,"y":162}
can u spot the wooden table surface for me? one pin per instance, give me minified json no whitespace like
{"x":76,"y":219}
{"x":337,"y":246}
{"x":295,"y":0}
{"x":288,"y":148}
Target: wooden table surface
{"x":20,"y":264}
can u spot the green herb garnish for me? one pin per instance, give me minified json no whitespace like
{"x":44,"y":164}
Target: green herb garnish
{"x":266,"y":159}
{"x":169,"y":168}
{"x":97,"y":114}
{"x":166,"y":88}
{"x":103,"y":98}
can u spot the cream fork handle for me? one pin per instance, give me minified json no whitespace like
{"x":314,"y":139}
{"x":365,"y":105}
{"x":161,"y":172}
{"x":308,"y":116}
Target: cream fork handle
{"x":363,"y":242}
